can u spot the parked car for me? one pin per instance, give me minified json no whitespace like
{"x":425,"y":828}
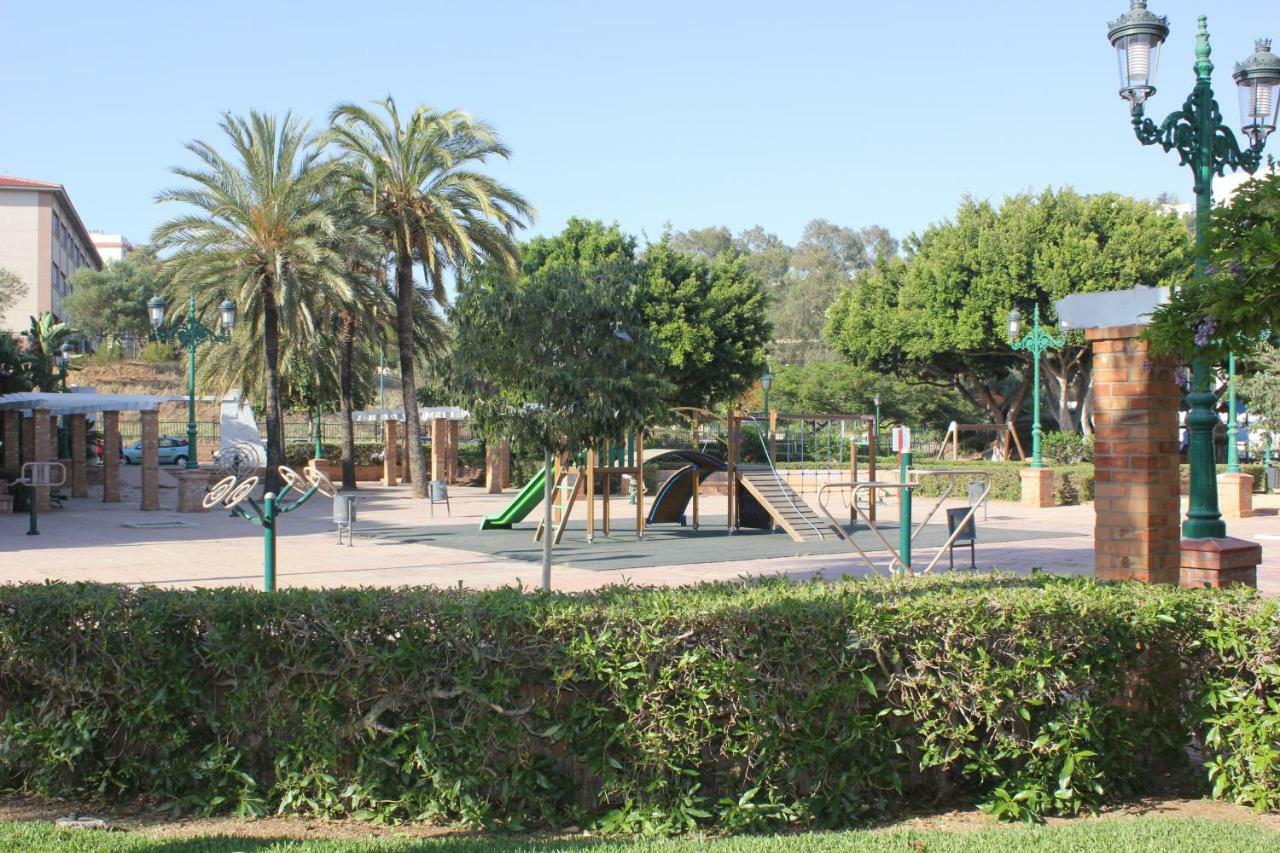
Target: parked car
{"x":173,"y":451}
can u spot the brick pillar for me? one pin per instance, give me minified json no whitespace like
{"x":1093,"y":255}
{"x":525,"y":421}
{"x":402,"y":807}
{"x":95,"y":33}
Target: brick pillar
{"x":110,"y":457}
{"x":455,"y":441}
{"x":12,"y":428}
{"x":42,"y":450}
{"x":1135,"y":405}
{"x":406,"y":444}
{"x":150,"y":459}
{"x":1037,"y":487}
{"x":390,"y":447}
{"x":439,"y":449}
{"x":504,"y":463}
{"x":493,"y":469}
{"x":79,"y":473}
{"x":1235,"y":495}
{"x":28,"y":441}
{"x":1220,"y":562}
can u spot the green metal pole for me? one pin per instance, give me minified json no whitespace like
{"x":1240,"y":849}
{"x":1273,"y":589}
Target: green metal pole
{"x":382,"y":378}
{"x":269,"y":542}
{"x":1233,"y":418}
{"x":904,"y":522}
{"x":1203,"y":518}
{"x":33,"y":503}
{"x":192,"y":462}
{"x":319,"y":444}
{"x":1037,"y":461}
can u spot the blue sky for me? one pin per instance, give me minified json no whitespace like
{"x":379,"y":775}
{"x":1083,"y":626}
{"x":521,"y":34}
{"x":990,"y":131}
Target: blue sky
{"x":698,"y":113}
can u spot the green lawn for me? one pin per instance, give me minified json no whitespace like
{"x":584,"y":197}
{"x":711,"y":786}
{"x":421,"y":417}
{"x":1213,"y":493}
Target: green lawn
{"x":1130,"y":835}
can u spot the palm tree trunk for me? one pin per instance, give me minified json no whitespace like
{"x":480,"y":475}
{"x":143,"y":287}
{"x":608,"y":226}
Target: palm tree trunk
{"x":408,"y":384}
{"x":348,"y":343}
{"x":275,"y":416}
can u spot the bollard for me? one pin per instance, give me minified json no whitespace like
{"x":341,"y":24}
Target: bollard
{"x":33,"y":528}
{"x":269,"y":541}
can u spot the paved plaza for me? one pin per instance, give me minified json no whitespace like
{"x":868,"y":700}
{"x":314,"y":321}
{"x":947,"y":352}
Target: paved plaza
{"x":399,"y":541}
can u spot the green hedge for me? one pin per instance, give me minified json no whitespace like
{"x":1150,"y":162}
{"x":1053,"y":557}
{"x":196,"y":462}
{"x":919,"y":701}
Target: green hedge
{"x":727,"y":707}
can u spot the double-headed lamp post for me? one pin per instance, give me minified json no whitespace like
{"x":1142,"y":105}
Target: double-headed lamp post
{"x":1037,"y":342}
{"x":1203,"y":142}
{"x":190,"y":335}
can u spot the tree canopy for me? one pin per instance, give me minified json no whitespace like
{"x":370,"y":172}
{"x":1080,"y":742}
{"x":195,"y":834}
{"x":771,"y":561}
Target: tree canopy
{"x":937,"y":315}
{"x":111,"y":303}
{"x":11,"y":287}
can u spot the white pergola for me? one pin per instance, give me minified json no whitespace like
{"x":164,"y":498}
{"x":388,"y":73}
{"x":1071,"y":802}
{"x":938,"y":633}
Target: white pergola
{"x":30,"y":435}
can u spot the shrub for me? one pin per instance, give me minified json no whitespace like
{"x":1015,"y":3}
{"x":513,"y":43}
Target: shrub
{"x":107,"y":353}
{"x":1066,"y":448}
{"x":298,"y":453}
{"x":158,"y":352}
{"x":724,"y":707}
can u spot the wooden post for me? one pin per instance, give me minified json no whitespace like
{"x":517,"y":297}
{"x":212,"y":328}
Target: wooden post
{"x":731,"y":464}
{"x":773,"y":437}
{"x":871,"y":472}
{"x":697,"y":492}
{"x":591,"y":495}
{"x":639,"y":484}
{"x":853,"y":475}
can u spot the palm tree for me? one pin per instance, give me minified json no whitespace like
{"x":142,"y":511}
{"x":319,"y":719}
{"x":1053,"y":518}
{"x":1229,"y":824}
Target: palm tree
{"x":431,"y":206}
{"x":260,"y":234}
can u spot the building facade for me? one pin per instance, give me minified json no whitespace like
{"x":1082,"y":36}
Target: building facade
{"x":42,"y":241}
{"x":111,"y":247}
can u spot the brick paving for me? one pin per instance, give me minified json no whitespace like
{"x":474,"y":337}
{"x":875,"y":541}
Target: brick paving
{"x":89,"y":540}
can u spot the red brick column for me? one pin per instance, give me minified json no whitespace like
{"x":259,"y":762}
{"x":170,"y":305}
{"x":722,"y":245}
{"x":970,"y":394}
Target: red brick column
{"x":406,"y":446}
{"x":150,"y":459}
{"x":79,"y":474}
{"x":390,"y":451}
{"x":455,"y":441}
{"x":110,"y":457}
{"x":12,"y":428}
{"x":42,"y":450}
{"x":493,"y":468}
{"x":28,"y":440}
{"x":504,"y":463}
{"x":439,"y":449}
{"x":1135,"y":405}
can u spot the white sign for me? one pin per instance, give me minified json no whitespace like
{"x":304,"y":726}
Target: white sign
{"x":1131,"y":307}
{"x":901,"y":439}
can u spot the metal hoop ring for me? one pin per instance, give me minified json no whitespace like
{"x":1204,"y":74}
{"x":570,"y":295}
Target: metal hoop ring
{"x":321,"y":481}
{"x":219,"y":492}
{"x":293,"y":479}
{"x":242,"y":491}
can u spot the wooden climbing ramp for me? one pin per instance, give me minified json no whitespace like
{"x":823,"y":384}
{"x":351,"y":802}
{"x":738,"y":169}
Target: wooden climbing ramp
{"x":788,"y":509}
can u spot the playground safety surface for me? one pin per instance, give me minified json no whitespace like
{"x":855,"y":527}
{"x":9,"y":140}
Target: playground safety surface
{"x":671,"y":545}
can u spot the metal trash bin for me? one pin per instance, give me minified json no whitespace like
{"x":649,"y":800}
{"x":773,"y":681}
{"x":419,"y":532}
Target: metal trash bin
{"x":1273,"y":478}
{"x":344,"y":515}
{"x":438,"y":493}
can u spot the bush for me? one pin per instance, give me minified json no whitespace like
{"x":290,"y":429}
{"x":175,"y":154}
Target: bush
{"x":1066,"y":448}
{"x":298,"y":453}
{"x":107,"y":354}
{"x":722,"y":707}
{"x":158,"y":352}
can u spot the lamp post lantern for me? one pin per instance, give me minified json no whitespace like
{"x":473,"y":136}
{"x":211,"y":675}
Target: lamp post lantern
{"x":190,"y":334}
{"x":1205,"y":144}
{"x":1037,"y":342}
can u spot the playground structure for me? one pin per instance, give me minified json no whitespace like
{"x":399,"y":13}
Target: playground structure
{"x":953,"y":438}
{"x":757,"y":496}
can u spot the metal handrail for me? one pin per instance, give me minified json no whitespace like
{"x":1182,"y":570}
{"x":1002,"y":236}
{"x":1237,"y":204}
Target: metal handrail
{"x":781,"y":486}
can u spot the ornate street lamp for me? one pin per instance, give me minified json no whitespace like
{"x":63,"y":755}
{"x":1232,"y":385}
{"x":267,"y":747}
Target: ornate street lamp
{"x":1037,"y":342}
{"x":190,"y":335}
{"x":1208,"y":146}
{"x":766,"y":382}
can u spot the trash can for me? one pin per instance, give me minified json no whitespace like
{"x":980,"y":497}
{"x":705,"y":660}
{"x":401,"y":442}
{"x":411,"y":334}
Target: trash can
{"x":439,"y":490}
{"x":1273,"y":479}
{"x":344,"y":510}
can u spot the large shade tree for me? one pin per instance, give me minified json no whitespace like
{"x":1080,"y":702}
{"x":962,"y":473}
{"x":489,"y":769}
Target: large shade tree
{"x":259,"y":231}
{"x":937,"y":316}
{"x":111,"y":303}
{"x":433,"y":208}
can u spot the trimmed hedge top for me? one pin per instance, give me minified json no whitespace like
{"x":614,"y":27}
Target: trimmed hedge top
{"x":720,"y":705}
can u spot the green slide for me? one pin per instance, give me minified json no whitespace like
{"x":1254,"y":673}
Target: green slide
{"x":530,"y":496}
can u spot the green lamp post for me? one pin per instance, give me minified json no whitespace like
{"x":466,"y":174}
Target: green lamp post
{"x":1037,"y":342}
{"x":876,"y":400}
{"x":1204,"y":143}
{"x":190,"y":334}
{"x":766,"y":382}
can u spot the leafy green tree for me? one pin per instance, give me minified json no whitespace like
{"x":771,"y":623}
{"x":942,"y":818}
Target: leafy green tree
{"x":843,"y":388}
{"x":43,"y":339}
{"x":710,"y":319}
{"x":558,"y":360}
{"x":16,"y":366}
{"x":258,"y":234}
{"x":1262,"y":389}
{"x":433,"y":207}
{"x":1237,"y":301}
{"x":11,"y":287}
{"x":111,"y":303}
{"x":937,"y":316}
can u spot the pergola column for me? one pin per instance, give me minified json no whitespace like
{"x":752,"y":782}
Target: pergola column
{"x":493,"y":468}
{"x":12,"y":428}
{"x":406,"y":446}
{"x":28,"y":440}
{"x":42,"y":450}
{"x":79,"y":472}
{"x":390,"y":446}
{"x":455,"y":440}
{"x":504,"y":463}
{"x":439,"y":449}
{"x":150,"y":459}
{"x":110,"y":457}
